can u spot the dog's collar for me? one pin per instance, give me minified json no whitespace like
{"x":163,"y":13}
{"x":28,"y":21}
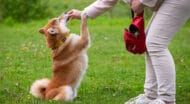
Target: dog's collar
{"x":60,"y":43}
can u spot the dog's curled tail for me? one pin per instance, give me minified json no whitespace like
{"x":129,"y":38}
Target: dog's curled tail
{"x":38,"y":87}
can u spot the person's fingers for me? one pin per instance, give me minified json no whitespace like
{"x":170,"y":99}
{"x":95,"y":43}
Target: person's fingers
{"x":74,"y":14}
{"x":137,"y":6}
{"x":70,"y":12}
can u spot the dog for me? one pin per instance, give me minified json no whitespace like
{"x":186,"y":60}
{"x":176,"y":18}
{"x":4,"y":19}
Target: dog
{"x":70,"y":61}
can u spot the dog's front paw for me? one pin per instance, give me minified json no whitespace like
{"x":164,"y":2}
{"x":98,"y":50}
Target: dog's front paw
{"x":84,"y":16}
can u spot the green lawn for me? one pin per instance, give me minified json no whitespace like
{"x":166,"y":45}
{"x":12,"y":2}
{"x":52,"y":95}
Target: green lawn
{"x":113,"y":75}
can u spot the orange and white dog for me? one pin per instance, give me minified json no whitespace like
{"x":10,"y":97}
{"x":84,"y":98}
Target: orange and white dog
{"x":70,"y":61}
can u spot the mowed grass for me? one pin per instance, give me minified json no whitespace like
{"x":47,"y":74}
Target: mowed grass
{"x":113,"y":76}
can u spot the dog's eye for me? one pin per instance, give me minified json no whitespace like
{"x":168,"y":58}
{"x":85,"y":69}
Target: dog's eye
{"x":52,"y":31}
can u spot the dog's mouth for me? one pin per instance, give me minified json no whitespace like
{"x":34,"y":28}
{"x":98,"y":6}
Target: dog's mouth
{"x":67,"y":18}
{"x":64,"y":18}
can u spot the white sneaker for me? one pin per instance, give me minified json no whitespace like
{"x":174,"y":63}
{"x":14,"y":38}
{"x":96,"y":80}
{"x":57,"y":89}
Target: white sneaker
{"x":157,"y":101}
{"x":140,"y":99}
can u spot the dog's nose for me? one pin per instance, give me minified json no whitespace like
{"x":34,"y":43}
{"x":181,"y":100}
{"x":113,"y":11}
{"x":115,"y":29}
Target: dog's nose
{"x":65,"y":17}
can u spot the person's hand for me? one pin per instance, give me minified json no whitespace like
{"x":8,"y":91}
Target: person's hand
{"x":74,"y":14}
{"x":137,"y":6}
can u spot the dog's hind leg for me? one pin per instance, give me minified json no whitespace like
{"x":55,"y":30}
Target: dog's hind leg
{"x":65,"y":94}
{"x":50,"y":94}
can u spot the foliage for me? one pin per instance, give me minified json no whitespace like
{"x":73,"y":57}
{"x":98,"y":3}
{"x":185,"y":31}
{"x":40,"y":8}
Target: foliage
{"x":23,"y":10}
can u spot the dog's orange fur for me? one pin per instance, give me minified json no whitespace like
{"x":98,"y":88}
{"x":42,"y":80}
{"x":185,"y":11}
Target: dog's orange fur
{"x":69,"y":61}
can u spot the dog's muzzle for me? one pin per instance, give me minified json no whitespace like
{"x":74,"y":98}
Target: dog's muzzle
{"x":67,"y":18}
{"x":64,"y":17}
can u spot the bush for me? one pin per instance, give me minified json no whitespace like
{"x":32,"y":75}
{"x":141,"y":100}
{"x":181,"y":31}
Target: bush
{"x":24,"y":10}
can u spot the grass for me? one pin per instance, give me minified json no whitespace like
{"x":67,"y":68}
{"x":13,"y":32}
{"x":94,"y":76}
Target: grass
{"x":113,"y":75}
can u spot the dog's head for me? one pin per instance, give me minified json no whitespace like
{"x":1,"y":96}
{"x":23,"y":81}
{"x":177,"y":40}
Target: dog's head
{"x":55,"y":31}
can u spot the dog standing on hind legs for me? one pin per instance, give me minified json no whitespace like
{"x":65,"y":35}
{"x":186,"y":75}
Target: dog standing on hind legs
{"x":69,"y":58}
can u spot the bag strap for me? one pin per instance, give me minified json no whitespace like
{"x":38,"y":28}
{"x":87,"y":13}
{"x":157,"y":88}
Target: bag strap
{"x":132,"y":13}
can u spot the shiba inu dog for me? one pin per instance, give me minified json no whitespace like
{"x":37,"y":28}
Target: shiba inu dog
{"x":69,"y":60}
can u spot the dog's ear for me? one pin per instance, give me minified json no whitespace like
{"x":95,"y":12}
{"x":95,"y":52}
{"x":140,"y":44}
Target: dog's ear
{"x":41,"y":31}
{"x":54,"y":22}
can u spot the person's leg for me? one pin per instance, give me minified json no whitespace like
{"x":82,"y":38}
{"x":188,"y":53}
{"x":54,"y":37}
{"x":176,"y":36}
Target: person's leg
{"x":150,"y":86}
{"x":167,"y":21}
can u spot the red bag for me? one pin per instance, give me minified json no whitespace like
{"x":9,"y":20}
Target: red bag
{"x":135,"y":37}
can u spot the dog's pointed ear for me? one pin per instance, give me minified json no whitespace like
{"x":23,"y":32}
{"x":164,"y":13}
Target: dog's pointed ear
{"x":53,"y":21}
{"x":41,"y":31}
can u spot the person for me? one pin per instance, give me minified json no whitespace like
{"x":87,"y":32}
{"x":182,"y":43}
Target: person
{"x":167,"y":18}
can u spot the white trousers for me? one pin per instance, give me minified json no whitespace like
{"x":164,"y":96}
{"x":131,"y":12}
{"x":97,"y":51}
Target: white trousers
{"x":160,"y":68}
